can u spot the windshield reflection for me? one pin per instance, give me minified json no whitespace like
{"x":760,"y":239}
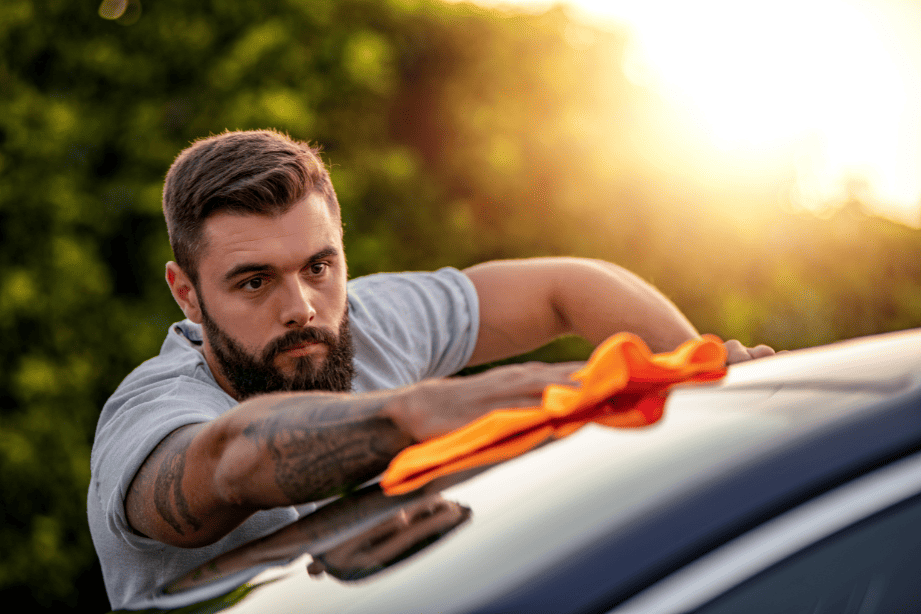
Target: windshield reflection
{"x":410,"y":530}
{"x":350,"y":538}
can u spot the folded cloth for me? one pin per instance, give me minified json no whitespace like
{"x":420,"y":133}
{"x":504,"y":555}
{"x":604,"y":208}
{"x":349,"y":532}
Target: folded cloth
{"x":623,"y":384}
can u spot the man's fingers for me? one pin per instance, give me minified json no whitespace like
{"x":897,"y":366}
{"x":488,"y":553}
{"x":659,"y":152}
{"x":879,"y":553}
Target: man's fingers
{"x":737,"y":352}
{"x":434,"y":407}
{"x":761,"y":351}
{"x":531,"y":377}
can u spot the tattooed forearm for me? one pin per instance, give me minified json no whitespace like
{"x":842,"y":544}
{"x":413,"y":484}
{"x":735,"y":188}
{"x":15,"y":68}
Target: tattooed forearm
{"x":169,"y":499}
{"x":326,"y":446}
{"x":203,"y":480}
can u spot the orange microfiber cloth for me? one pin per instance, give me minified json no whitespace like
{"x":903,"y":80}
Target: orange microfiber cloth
{"x":623,"y":384}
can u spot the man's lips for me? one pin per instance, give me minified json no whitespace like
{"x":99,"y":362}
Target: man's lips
{"x":303,"y":349}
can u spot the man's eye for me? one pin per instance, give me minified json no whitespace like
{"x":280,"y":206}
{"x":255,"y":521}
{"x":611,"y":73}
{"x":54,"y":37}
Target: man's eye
{"x":252,"y":284}
{"x":318,"y":268}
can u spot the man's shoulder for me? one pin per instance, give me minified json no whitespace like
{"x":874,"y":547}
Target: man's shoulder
{"x":382,"y":290}
{"x":442,"y":275}
{"x":410,"y":326}
{"x":180,"y":366}
{"x":179,"y":355}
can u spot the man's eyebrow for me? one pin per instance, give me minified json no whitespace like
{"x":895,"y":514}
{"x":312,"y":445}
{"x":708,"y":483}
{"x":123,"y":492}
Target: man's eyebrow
{"x":251,"y":267}
{"x":326,"y":252}
{"x":245,"y":268}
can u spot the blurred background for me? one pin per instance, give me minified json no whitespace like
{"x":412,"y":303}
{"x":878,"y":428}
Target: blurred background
{"x":756,"y":161}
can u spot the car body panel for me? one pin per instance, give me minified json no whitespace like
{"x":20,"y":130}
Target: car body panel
{"x":786,"y":535}
{"x":584,"y":523}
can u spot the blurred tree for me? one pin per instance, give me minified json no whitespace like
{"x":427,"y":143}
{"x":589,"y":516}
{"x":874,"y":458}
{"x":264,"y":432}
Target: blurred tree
{"x":455,"y":134}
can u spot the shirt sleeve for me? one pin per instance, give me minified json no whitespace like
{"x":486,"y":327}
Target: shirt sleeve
{"x":165,"y":393}
{"x":407,"y":327}
{"x":145,"y":409}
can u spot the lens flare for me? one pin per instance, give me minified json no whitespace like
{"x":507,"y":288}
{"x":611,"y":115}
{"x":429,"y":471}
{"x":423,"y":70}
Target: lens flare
{"x":112,"y":9}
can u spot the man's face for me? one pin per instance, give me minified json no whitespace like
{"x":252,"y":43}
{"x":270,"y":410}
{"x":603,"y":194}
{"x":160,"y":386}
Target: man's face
{"x":251,"y":375}
{"x":272,"y":296}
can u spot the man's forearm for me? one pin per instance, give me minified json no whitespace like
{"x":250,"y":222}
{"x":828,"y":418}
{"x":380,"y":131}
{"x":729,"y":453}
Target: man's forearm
{"x":527,"y":303}
{"x":297,"y":448}
{"x":204,"y":480}
{"x":597,"y":299}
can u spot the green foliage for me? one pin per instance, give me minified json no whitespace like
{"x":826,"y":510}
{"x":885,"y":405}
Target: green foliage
{"x":455,"y":135}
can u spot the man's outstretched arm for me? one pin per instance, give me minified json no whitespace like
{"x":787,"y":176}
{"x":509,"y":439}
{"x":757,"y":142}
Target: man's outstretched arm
{"x":203,"y":480}
{"x":527,"y":303}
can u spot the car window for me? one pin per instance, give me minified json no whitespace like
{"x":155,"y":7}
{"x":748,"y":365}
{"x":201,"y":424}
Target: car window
{"x":872,"y":566}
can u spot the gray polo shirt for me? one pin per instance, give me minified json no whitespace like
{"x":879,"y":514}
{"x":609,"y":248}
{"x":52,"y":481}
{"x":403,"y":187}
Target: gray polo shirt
{"x":406,"y":327}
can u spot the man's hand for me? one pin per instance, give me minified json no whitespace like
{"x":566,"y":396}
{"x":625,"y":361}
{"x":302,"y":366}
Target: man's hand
{"x":436,"y":407}
{"x":736,"y":352}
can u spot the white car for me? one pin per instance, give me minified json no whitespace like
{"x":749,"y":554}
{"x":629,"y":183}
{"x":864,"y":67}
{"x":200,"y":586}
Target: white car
{"x":792,"y":485}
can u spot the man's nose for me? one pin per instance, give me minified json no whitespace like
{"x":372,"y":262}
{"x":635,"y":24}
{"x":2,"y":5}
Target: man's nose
{"x":298,"y":308}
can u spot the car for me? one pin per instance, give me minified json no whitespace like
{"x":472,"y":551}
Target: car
{"x":791,"y":485}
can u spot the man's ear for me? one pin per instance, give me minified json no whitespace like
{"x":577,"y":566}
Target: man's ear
{"x":183,"y":291}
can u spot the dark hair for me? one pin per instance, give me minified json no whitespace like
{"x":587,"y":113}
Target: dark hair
{"x":259,"y":172}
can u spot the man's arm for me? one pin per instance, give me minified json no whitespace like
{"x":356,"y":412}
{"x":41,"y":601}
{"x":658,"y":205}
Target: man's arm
{"x":527,"y":303}
{"x":203,"y":480}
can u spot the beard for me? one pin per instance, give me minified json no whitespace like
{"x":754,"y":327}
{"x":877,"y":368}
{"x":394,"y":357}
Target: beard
{"x":250,"y":375}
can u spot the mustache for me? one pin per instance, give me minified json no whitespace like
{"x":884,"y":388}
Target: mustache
{"x":298,"y":336}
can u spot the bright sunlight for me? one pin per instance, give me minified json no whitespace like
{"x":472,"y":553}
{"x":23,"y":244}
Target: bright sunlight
{"x":833,"y":86}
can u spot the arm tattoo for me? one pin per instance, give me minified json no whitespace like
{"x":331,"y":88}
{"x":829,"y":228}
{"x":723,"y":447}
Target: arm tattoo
{"x":169,"y":499}
{"x":327,"y":444}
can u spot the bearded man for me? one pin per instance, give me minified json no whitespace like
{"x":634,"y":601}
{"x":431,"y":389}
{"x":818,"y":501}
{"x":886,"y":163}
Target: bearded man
{"x":287,"y":384}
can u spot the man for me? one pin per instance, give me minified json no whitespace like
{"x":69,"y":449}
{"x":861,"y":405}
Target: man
{"x":194,"y":457}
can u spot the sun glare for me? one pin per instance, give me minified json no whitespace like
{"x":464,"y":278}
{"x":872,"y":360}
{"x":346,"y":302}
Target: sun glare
{"x":827,"y":80}
{"x":832,"y":85}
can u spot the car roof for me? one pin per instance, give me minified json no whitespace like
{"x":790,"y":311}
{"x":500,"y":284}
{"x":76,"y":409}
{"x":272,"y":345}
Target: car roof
{"x":585,"y":522}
